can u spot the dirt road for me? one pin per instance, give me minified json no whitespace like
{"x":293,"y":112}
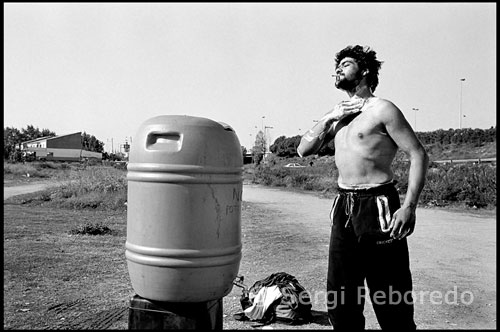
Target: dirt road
{"x":453,"y":258}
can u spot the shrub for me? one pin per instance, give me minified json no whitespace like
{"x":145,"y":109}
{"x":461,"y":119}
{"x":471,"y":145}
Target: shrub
{"x":270,"y":176}
{"x":46,"y":164}
{"x":471,"y":184}
{"x":93,"y":187}
{"x":96,"y":179}
{"x":322,"y":177}
{"x":92,"y":229}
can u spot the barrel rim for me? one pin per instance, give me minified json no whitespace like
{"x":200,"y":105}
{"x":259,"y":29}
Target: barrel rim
{"x":182,"y":253}
{"x":182,"y":168}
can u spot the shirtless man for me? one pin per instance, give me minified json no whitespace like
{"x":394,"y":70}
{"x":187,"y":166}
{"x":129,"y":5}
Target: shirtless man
{"x":369,"y":225}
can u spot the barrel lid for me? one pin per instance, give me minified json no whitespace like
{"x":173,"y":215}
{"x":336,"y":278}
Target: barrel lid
{"x":186,"y":140}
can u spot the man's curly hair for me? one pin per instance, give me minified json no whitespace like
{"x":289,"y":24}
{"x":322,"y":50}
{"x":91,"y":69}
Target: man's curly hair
{"x":366,"y":59}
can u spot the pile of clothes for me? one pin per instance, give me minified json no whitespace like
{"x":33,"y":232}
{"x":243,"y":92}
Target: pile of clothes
{"x":277,"y":297}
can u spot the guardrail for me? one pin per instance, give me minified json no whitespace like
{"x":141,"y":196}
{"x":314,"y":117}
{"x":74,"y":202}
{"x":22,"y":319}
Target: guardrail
{"x":473,"y":160}
{"x":457,"y":161}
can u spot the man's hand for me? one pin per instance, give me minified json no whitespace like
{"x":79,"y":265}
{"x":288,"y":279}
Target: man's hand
{"x":313,"y":139}
{"x":403,"y":222}
{"x":343,"y":109}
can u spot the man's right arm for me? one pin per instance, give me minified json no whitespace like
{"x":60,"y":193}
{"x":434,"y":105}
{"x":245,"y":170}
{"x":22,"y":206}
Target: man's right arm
{"x":314,"y":138}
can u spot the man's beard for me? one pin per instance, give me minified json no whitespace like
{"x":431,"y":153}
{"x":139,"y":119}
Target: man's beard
{"x":348,"y":84}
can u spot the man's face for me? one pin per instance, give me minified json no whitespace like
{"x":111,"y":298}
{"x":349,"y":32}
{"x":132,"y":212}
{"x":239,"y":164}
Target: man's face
{"x":349,"y":74}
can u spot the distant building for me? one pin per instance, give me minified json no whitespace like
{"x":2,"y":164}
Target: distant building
{"x":62,"y":148}
{"x":247,"y":158}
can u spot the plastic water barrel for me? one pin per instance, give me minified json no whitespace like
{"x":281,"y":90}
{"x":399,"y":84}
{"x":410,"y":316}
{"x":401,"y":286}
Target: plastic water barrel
{"x":184,"y":209}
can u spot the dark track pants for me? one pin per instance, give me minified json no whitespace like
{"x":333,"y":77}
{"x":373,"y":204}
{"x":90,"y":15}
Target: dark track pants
{"x":360,"y":250}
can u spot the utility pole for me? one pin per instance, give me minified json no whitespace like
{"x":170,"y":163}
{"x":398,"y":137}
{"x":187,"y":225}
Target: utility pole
{"x":460,"y":119}
{"x":415,"y":123}
{"x":268,"y":143}
{"x":264,"y":133}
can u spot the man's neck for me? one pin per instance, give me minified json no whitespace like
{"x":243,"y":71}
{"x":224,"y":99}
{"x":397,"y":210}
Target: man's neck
{"x":362,"y":92}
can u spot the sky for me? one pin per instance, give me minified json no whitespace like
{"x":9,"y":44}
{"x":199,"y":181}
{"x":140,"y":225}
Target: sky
{"x":105,"y":68}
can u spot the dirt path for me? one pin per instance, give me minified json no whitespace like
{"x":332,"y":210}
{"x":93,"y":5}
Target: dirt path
{"x":25,"y":188}
{"x":453,"y":258}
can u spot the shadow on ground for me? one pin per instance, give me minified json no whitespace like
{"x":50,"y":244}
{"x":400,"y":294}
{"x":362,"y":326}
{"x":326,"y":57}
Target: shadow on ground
{"x":320,"y":317}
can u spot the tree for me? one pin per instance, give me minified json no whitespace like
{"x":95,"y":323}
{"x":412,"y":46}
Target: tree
{"x":259,"y":148}
{"x":90,"y":143}
{"x":30,"y":133}
{"x":278,"y":147}
{"x":286,"y":146}
{"x":13,"y":137}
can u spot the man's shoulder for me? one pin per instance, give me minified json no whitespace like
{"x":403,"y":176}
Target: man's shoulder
{"x":382,"y":102}
{"x":385,"y":107}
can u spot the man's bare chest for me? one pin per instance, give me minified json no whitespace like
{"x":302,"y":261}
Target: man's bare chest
{"x":363,"y":131}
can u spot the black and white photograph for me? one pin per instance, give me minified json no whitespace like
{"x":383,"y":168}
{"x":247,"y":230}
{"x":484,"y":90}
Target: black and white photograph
{"x":250,"y":165}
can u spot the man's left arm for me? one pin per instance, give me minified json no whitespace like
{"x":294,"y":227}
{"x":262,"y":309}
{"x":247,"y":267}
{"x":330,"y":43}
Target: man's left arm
{"x":403,"y":220}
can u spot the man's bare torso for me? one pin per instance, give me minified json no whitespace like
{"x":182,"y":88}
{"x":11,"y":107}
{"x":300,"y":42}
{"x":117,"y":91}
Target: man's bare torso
{"x":363,"y":150}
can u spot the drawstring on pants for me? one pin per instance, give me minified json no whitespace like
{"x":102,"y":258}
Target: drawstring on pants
{"x":349,"y":207}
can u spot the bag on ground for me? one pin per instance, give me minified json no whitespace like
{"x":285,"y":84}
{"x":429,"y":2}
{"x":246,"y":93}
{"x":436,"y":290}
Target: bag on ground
{"x":279,"y":296}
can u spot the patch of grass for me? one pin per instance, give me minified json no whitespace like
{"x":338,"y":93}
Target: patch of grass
{"x":38,"y":169}
{"x":25,"y":170}
{"x":46,"y":266}
{"x":94,"y":187}
{"x":90,"y":187}
{"x":319,"y":175}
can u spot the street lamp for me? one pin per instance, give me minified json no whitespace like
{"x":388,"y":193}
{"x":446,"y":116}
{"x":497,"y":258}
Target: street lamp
{"x":112,"y":146}
{"x":251,"y":141}
{"x":415,"y":109}
{"x":461,"y":85}
{"x":267,"y":142}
